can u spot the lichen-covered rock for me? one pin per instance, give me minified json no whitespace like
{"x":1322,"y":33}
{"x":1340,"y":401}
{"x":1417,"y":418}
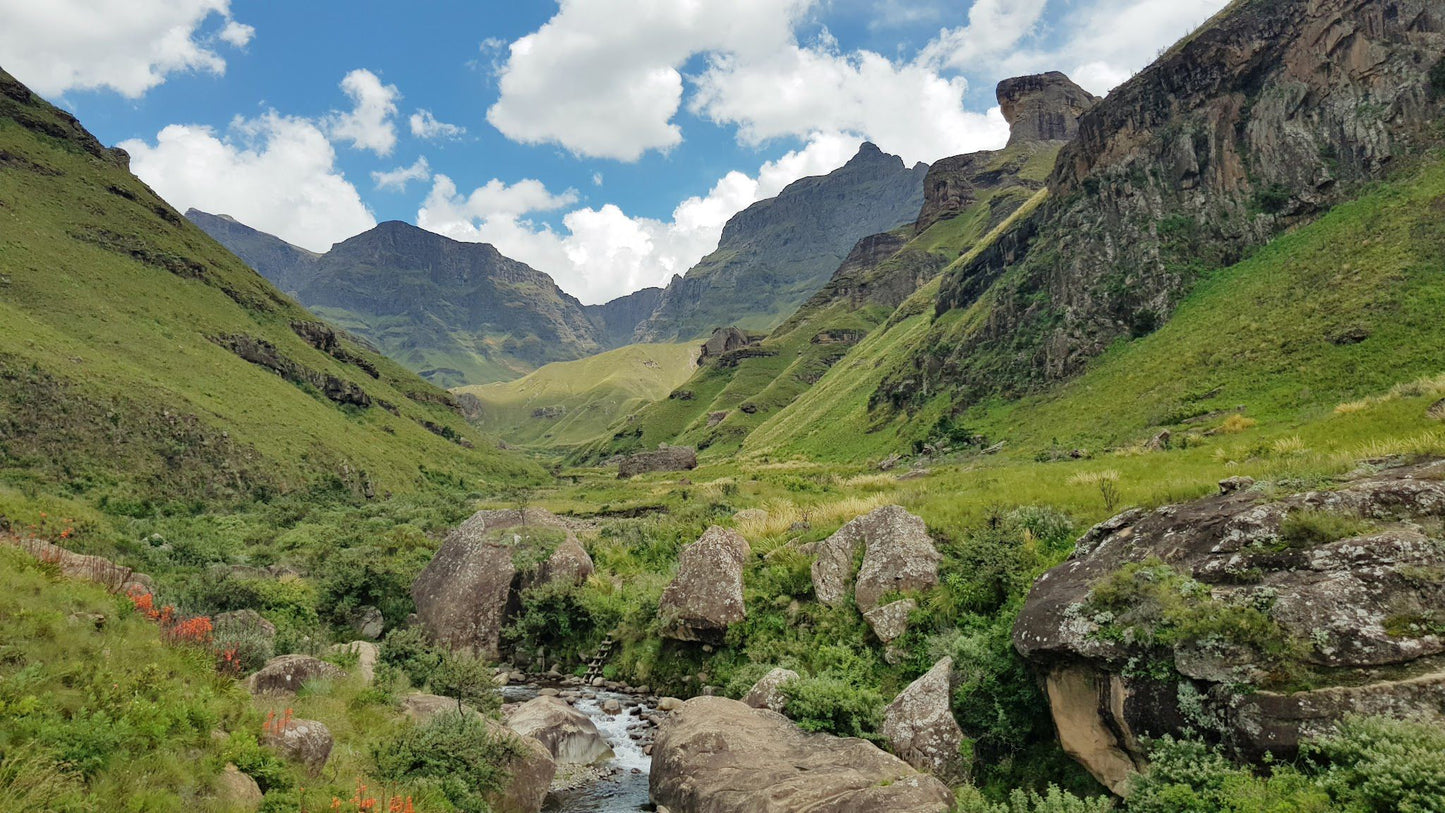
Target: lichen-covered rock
{"x":723,"y":340}
{"x":569,"y":564}
{"x":305,"y":742}
{"x":889,"y":622}
{"x":368,"y":623}
{"x":715,"y":755}
{"x":288,"y":673}
{"x":1341,"y":588}
{"x":706,"y":596}
{"x":898,"y":555}
{"x":667,"y":458}
{"x":568,"y":735}
{"x":463,"y":593}
{"x":237,"y":791}
{"x":767,"y":693}
{"x":920,"y":727}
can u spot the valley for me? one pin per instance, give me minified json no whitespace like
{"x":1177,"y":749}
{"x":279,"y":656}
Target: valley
{"x":1103,"y":470}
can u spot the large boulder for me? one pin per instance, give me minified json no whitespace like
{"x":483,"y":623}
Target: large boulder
{"x":1338,"y":588}
{"x":237,"y":791}
{"x":288,"y":673}
{"x":568,"y":735}
{"x":723,"y":340}
{"x":666,"y":458}
{"x":1043,"y":107}
{"x":889,"y":622}
{"x":767,"y":693}
{"x":305,"y":742}
{"x":72,"y":565}
{"x":706,"y":596}
{"x":898,"y":555}
{"x":463,"y":594}
{"x":920,"y":728}
{"x":569,"y":564}
{"x":528,"y":776}
{"x":715,"y":755}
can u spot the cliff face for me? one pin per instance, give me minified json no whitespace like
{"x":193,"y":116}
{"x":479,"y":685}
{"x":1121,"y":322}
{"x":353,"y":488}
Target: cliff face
{"x":288,"y":267}
{"x":617,"y":321}
{"x":1043,"y":107}
{"x":778,"y":252}
{"x":1268,"y":115}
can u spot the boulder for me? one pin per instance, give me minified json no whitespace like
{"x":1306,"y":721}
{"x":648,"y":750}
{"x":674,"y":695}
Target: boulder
{"x":706,"y":596}
{"x":115,"y":578}
{"x":529,"y":776}
{"x":569,"y":735}
{"x":889,"y":622}
{"x":669,"y":704}
{"x":463,"y":593}
{"x":569,"y":564}
{"x":237,"y":791}
{"x":665,"y":458}
{"x":920,"y":727}
{"x":1044,"y":107}
{"x":898,"y":555}
{"x":247,"y":621}
{"x":288,"y":673}
{"x":368,"y":623}
{"x":1338,"y":586}
{"x":305,"y":742}
{"x":750,"y":515}
{"x":768,"y":692}
{"x":723,"y":340}
{"x":367,"y":654}
{"x":715,"y":755}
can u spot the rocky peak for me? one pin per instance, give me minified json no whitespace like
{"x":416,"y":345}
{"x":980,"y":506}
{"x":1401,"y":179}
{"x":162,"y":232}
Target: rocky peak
{"x":1043,"y":107}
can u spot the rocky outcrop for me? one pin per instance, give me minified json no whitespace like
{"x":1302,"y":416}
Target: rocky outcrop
{"x":666,"y":458}
{"x":767,"y":693}
{"x":1340,"y":589}
{"x":265,"y":354}
{"x":1257,"y":123}
{"x":528,"y":776}
{"x":288,"y":673}
{"x":569,"y":735}
{"x":889,"y":622}
{"x":463,"y":594}
{"x":305,"y":742}
{"x":569,"y":564}
{"x":723,"y":340}
{"x":367,"y":655}
{"x":920,"y":727}
{"x":719,"y":756}
{"x":1044,"y":107}
{"x":706,"y":595}
{"x":898,"y":556}
{"x":617,"y":321}
{"x":115,"y":578}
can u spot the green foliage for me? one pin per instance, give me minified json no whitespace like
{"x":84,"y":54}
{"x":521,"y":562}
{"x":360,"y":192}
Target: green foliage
{"x":554,"y":619}
{"x":1311,"y":528}
{"x":408,"y":650}
{"x":1437,"y":80}
{"x":1052,"y":800}
{"x":458,"y":754}
{"x":467,"y":679}
{"x":1187,"y":776}
{"x":1377,"y":764}
{"x":834,"y":705}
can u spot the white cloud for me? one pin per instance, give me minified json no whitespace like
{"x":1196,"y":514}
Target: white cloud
{"x":426,"y":125}
{"x":397,"y":179}
{"x":128,"y":46}
{"x":274,"y":173}
{"x":601,"y":253}
{"x":994,"y":27}
{"x":369,"y":125}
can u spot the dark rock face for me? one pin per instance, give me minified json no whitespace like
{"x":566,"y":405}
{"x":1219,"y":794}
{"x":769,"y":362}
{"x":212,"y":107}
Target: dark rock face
{"x":778,"y":252}
{"x":288,"y":673}
{"x":1360,"y":616}
{"x":668,"y":458}
{"x":1045,"y":107}
{"x":264,"y":354}
{"x":706,"y":596}
{"x":288,"y":267}
{"x":723,"y":340}
{"x":1257,"y":123}
{"x":719,"y":756}
{"x":617,"y":321}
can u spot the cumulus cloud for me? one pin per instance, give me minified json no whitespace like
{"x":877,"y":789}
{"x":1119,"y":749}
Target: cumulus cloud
{"x":426,"y":125}
{"x":602,"y":252}
{"x":274,"y":173}
{"x":128,"y":46}
{"x":369,"y":125}
{"x":994,"y":27}
{"x":396,"y":180}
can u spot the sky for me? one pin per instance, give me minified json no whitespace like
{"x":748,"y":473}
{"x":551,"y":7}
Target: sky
{"x":605,"y":142}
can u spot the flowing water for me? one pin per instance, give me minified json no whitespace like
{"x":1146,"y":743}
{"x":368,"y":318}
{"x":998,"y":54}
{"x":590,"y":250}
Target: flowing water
{"x":624,"y":789}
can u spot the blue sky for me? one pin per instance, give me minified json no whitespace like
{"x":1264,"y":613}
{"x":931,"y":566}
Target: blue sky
{"x":602,"y":141}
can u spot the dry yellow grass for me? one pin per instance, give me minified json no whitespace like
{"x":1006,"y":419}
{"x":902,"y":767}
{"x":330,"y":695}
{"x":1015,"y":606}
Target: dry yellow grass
{"x":1429,"y":386}
{"x":1093,"y":478}
{"x":782,"y":514}
{"x":1235,"y":424}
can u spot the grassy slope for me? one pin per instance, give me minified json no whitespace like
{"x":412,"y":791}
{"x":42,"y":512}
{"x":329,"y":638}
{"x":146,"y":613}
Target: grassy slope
{"x":595,"y":392}
{"x":1273,"y":334}
{"x":107,"y":334}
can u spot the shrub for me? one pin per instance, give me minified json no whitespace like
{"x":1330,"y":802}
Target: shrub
{"x":1311,"y":528}
{"x":1053,"y":800}
{"x":467,"y":679}
{"x":408,"y":650}
{"x":456,"y":754}
{"x":1235,"y":424}
{"x":1378,"y":764}
{"x":835,"y":706}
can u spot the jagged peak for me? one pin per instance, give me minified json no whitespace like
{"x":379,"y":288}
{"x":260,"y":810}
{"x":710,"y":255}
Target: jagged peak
{"x":1043,"y":106}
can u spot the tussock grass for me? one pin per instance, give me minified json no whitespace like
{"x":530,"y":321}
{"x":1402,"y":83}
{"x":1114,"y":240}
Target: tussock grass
{"x":783,"y":514}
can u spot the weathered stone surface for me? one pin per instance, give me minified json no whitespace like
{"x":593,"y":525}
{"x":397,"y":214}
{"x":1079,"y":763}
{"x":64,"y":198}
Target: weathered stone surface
{"x":750,"y":515}
{"x":897,"y":556}
{"x":367,"y":654}
{"x":920,"y":727}
{"x":715,"y":755}
{"x":368,"y":623}
{"x":1361,"y":613}
{"x":288,"y":673}
{"x":889,"y":622}
{"x":236,"y":791}
{"x":529,"y":776}
{"x":72,"y":565}
{"x":667,"y":458}
{"x":306,"y":742}
{"x":767,"y":693}
{"x":706,"y":595}
{"x":462,"y":595}
{"x":569,"y":564}
{"x":568,"y":734}
{"x":1044,"y":107}
{"x":723,"y":340}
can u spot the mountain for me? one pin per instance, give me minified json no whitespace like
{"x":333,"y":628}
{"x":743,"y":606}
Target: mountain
{"x":617,"y":320}
{"x":965,"y":198}
{"x":778,"y":252}
{"x":142,"y":364}
{"x":288,"y":267}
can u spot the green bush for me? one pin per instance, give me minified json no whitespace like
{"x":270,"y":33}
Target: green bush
{"x":1052,"y":800}
{"x":835,"y":706}
{"x":1310,"y":528}
{"x":457,"y":754}
{"x":1378,"y":764}
{"x":408,"y":650}
{"x":466,"y":678}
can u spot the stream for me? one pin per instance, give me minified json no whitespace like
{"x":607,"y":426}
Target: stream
{"x":624,"y":787}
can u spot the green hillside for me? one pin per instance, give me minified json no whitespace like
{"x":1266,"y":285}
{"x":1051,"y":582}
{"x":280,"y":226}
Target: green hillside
{"x":120,"y":328}
{"x":1339,"y":310}
{"x":574,"y":402}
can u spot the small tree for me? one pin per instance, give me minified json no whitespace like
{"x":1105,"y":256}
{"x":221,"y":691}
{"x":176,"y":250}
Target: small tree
{"x":466,"y":677}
